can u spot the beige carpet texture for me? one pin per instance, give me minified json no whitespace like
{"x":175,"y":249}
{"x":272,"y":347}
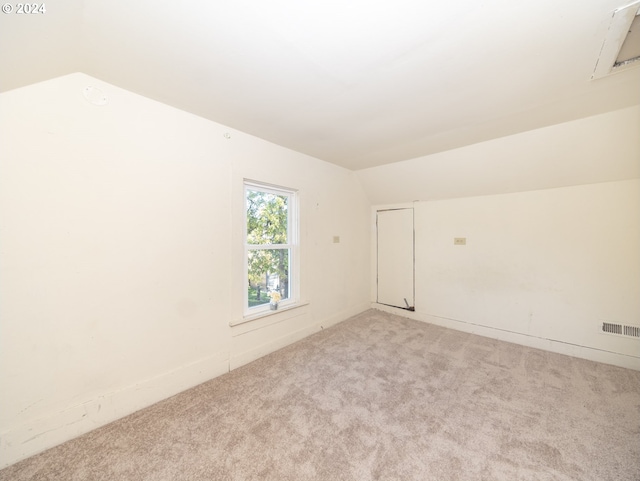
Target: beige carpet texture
{"x":376,"y":397}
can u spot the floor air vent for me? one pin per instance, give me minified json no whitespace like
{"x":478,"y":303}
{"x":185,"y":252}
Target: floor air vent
{"x":621,"y":329}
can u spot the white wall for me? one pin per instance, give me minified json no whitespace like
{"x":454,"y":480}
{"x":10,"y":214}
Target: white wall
{"x":602,"y":148}
{"x":121,"y":257}
{"x":551,"y":264}
{"x":544,"y":266}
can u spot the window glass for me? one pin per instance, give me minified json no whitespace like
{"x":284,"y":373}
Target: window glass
{"x":268,"y":271}
{"x":267,"y":218}
{"x":269,"y":246}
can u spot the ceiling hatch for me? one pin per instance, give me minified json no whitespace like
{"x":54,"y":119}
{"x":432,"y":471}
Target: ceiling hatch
{"x":621,"y":47}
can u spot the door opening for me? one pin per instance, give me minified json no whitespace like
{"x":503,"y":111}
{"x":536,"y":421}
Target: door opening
{"x":395,"y":258}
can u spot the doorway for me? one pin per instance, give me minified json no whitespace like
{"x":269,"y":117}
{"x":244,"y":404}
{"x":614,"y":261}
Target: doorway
{"x":395,"y":258}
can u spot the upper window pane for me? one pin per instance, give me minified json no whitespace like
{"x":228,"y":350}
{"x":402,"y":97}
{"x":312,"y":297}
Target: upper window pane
{"x":267,"y":217}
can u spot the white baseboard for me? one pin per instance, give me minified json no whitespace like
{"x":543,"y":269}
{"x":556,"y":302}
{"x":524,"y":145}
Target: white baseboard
{"x":33,"y":436}
{"x":344,"y":315}
{"x":583,"y":352}
{"x":245,"y":357}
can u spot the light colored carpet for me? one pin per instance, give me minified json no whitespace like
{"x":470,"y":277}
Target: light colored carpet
{"x":377,"y":397}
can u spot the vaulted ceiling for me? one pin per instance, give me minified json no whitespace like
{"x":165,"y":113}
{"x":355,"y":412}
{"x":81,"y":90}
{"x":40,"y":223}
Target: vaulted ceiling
{"x":357,"y":83}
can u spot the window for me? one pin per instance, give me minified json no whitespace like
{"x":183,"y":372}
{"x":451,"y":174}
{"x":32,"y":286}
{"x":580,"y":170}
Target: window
{"x":271,"y":236}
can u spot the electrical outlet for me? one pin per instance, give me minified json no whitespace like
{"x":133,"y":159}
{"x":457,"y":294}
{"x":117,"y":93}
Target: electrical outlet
{"x":460,"y":241}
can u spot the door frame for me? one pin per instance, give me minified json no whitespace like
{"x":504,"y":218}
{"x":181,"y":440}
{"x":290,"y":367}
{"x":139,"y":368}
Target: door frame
{"x":376,"y":211}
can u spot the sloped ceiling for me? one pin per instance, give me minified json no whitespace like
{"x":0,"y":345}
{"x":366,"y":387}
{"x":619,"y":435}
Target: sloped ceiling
{"x":357,"y":83}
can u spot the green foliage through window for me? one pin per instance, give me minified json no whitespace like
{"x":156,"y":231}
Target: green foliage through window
{"x":268,"y":241}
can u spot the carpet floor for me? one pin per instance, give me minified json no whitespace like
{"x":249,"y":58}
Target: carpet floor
{"x":377,"y":397}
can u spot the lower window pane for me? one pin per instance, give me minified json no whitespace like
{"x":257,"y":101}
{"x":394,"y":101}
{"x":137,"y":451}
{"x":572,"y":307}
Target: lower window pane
{"x":268,"y":272}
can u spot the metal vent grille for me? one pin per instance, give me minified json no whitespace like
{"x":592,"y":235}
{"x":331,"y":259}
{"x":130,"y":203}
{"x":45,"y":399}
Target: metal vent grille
{"x":633,"y":331}
{"x":621,"y":329}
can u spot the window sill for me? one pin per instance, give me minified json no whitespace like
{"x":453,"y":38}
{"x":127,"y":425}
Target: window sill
{"x":263,"y":314}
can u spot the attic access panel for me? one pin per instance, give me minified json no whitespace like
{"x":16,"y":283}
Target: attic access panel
{"x":621,"y":46}
{"x":630,"y":49}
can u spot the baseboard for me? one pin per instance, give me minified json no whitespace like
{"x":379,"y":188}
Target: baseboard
{"x":36,"y":435}
{"x":240,"y":359}
{"x":583,"y":352}
{"x":344,"y":315}
{"x":245,"y":357}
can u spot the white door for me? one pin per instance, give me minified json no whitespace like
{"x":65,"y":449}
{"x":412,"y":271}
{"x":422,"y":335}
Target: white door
{"x":395,"y":258}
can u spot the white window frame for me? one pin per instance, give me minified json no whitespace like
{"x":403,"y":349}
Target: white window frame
{"x":293,"y":245}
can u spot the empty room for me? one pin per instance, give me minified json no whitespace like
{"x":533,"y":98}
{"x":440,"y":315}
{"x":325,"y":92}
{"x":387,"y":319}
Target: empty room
{"x":320,"y":240}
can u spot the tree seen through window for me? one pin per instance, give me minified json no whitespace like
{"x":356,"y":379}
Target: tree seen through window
{"x":268,"y":245}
